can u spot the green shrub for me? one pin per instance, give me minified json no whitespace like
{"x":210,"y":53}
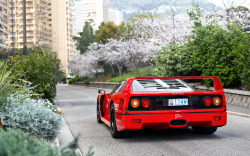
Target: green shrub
{"x":80,"y":79}
{"x":174,"y":60}
{"x":77,"y":79}
{"x":240,"y":44}
{"x":7,"y":86}
{"x":41,"y":69}
{"x":222,"y":53}
{"x":18,"y":143}
{"x":29,"y":115}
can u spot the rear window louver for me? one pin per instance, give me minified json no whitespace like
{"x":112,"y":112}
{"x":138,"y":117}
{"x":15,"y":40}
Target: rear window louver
{"x":173,"y":84}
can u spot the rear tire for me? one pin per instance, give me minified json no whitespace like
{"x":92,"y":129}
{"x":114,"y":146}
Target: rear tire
{"x":204,"y":130}
{"x":113,"y":128}
{"x":98,"y":115}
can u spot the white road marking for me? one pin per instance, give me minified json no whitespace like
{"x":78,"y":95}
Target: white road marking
{"x":238,"y":114}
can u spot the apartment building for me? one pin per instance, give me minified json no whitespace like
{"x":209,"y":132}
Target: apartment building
{"x":4,"y":24}
{"x":47,"y":21}
{"x":78,"y":16}
{"x":95,"y":12}
{"x":63,"y":31}
{"x":115,"y":16}
{"x":38,"y":22}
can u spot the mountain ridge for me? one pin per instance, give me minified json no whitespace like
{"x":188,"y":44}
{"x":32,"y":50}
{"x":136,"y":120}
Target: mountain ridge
{"x":157,"y":7}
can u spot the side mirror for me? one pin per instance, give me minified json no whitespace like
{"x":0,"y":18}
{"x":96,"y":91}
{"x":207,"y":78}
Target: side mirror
{"x":101,"y":91}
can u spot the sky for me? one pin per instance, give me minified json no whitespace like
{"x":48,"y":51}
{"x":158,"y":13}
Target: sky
{"x":228,"y":2}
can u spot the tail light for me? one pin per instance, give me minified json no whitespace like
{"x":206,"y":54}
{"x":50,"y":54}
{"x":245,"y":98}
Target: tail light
{"x":208,"y":101}
{"x":135,"y":103}
{"x":216,"y":101}
{"x":145,"y":103}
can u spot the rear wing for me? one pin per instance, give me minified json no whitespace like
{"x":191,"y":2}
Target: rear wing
{"x":216,"y":81}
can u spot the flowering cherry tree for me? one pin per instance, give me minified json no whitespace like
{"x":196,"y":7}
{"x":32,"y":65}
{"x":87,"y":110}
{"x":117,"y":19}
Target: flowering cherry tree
{"x":143,"y":37}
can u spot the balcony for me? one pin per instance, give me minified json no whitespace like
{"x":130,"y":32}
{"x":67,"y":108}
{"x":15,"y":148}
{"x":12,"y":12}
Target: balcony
{"x":3,"y":46}
{"x":30,"y":28}
{"x":30,"y":10}
{"x":30,"y":22}
{"x":30,"y":40}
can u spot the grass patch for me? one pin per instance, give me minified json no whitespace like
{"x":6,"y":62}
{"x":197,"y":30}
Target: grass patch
{"x":120,"y":78}
{"x":142,"y":72}
{"x":103,"y":79}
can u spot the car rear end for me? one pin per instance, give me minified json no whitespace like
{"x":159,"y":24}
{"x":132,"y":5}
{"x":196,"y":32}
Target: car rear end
{"x":163,"y":103}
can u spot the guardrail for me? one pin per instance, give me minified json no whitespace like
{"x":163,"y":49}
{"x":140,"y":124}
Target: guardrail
{"x":233,"y":96}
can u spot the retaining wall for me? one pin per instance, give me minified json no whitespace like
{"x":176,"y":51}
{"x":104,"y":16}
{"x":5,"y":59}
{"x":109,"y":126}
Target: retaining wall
{"x":233,"y":96}
{"x":101,"y":85}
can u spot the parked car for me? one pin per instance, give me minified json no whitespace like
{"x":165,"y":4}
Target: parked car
{"x":162,"y":103}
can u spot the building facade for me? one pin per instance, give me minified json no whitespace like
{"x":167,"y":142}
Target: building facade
{"x":49,"y":22}
{"x":4,"y":24}
{"x":78,"y":16}
{"x":115,"y":16}
{"x":63,"y":31}
{"x":38,"y":22}
{"x":95,"y":12}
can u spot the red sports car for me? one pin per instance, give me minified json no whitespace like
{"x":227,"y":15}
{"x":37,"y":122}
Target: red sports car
{"x":161,"y":103}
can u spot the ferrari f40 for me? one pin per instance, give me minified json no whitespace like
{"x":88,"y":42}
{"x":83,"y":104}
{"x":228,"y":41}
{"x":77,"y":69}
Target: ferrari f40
{"x":162,"y":103}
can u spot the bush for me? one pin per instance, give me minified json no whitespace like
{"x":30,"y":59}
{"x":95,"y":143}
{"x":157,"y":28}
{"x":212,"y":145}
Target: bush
{"x":222,"y":53}
{"x":174,"y":60}
{"x":18,"y":143}
{"x":41,"y":69}
{"x":29,"y":115}
{"x":7,"y":86}
{"x":80,"y":79}
{"x":77,"y":79}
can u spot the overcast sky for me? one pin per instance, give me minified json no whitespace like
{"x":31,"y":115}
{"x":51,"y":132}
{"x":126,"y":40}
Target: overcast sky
{"x":228,"y":2}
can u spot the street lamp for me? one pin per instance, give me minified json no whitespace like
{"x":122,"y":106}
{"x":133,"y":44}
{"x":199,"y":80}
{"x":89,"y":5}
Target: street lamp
{"x":24,"y":28}
{"x":13,"y":34}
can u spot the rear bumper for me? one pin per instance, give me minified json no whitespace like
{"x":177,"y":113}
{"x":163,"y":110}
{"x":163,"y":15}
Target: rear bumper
{"x":162,"y":121}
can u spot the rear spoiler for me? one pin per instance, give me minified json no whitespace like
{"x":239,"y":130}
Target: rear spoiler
{"x":216,"y":81}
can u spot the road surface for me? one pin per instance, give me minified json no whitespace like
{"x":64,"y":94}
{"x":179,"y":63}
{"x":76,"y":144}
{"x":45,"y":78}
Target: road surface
{"x":78,"y":105}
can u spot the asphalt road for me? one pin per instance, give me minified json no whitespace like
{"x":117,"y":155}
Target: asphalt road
{"x":79,"y":110}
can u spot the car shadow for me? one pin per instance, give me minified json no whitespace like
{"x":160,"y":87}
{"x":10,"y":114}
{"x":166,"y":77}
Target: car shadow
{"x":184,"y":134}
{"x":171,"y":134}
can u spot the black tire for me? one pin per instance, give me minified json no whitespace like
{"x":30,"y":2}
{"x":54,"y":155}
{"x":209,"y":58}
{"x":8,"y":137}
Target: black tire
{"x":204,"y":130}
{"x":98,"y":115}
{"x":113,"y":129}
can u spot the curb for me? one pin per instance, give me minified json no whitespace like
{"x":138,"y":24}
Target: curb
{"x":238,"y":114}
{"x":56,"y":142}
{"x":69,"y":134}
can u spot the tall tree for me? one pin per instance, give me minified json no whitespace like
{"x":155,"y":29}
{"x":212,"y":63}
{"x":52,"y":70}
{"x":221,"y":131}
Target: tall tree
{"x":106,"y":31}
{"x":85,"y":38}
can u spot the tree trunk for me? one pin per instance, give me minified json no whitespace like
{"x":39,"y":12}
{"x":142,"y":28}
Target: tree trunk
{"x":120,"y":70}
{"x":113,"y":71}
{"x":136,"y":66}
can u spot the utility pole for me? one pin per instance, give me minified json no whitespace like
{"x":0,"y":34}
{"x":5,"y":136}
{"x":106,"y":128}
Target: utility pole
{"x":24,"y":29}
{"x":13,"y":35}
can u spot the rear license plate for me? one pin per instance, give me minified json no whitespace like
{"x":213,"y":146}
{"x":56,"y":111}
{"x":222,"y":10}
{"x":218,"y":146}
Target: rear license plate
{"x":177,"y":102}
